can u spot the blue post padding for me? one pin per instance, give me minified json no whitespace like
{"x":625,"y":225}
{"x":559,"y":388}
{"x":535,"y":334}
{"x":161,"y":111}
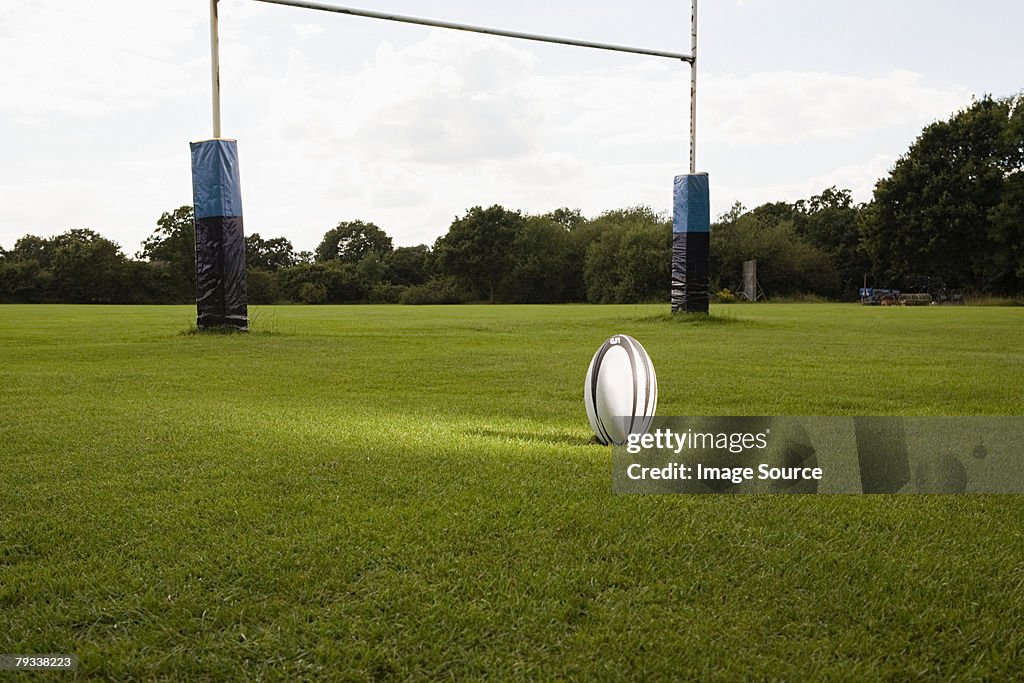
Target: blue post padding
{"x":691,"y":204}
{"x":216,"y":190}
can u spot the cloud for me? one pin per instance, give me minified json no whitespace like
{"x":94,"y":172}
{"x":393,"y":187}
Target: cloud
{"x":858,"y":177}
{"x":787,"y":135}
{"x":788,"y":107}
{"x":307,"y":31}
{"x":407,"y":136}
{"x":91,"y":59}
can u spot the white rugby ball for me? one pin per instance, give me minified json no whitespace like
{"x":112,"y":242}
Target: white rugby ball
{"x":621,"y":390}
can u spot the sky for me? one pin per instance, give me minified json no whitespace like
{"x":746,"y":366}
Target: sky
{"x":341,"y":118}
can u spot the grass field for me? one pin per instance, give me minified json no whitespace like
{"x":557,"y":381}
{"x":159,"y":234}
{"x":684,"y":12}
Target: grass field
{"x":373,"y":493}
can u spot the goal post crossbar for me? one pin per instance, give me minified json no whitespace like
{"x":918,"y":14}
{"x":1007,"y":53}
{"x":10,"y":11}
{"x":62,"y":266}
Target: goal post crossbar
{"x":690,"y":58}
{"x":386,"y":16}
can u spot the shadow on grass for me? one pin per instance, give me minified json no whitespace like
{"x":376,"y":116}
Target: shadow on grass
{"x":696,"y":319}
{"x":226,"y":331}
{"x":261,"y":323}
{"x":534,"y":436}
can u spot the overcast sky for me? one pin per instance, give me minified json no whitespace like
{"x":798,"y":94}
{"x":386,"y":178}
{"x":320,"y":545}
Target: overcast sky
{"x":339,"y":118}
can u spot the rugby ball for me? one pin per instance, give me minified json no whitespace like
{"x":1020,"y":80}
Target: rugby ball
{"x":621,"y":390}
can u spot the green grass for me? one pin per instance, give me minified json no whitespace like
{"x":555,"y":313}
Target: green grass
{"x":374,"y":493}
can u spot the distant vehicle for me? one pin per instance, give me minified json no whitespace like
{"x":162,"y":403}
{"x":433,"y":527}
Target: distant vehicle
{"x":917,"y":290}
{"x":876,"y":296}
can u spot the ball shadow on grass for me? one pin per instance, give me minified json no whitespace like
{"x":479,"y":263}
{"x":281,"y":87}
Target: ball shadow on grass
{"x":534,"y":436}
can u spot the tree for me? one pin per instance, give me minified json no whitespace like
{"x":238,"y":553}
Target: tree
{"x":831,"y":222}
{"x":77,"y":266}
{"x":950,"y":207}
{"x":568,"y":219}
{"x":351,"y":241}
{"x":541,"y":259}
{"x":1008,"y":217}
{"x":173,"y":245}
{"x":87,"y":268}
{"x":579,"y":234}
{"x":735,"y":211}
{"x":477,"y":248}
{"x":787,"y":262}
{"x":23,"y":282}
{"x":270,"y":255}
{"x":406,"y":265}
{"x":774,"y":212}
{"x":24,"y":275}
{"x":582,"y":234}
{"x":629,"y":260}
{"x":32,"y":248}
{"x":370,"y":271}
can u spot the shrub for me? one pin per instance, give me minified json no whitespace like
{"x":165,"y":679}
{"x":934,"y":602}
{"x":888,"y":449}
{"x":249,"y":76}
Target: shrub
{"x":312,"y":293}
{"x":436,"y":291}
{"x":260,"y":286}
{"x":725,"y":296}
{"x":338,"y":280}
{"x":387,"y":294}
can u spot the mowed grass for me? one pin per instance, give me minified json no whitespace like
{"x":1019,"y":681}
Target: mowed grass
{"x":376,"y":493}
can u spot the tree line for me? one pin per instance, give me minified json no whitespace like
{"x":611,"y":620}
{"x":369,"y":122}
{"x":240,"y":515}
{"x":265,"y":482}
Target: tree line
{"x":951,"y":208}
{"x":489,"y":254}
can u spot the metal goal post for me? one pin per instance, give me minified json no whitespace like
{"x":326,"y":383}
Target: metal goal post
{"x":217,"y":159}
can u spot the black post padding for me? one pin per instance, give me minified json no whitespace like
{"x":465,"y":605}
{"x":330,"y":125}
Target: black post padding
{"x":691,"y":244}
{"x":220,"y":273}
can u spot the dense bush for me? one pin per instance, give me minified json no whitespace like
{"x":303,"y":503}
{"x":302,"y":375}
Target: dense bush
{"x":261,"y":286}
{"x":441,"y":290}
{"x":387,"y":293}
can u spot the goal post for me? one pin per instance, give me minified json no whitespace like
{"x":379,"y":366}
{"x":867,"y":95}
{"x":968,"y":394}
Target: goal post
{"x":691,"y":216}
{"x":689,"y":258}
